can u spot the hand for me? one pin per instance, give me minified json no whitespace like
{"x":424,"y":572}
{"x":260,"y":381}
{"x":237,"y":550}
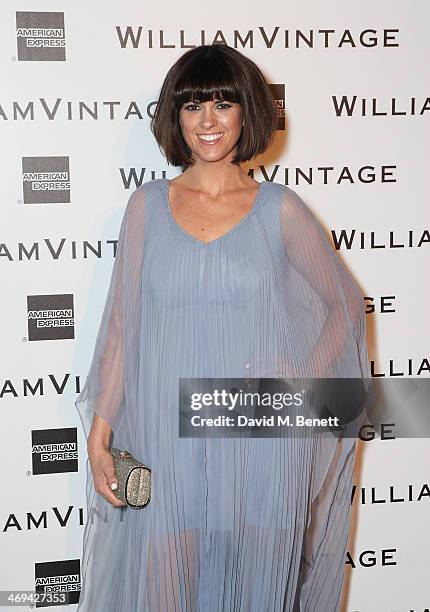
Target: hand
{"x":103,"y":471}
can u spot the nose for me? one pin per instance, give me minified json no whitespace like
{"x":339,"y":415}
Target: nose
{"x":208,"y":117}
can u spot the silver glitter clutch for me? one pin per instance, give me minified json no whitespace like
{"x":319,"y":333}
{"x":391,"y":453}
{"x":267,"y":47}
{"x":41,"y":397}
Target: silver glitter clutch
{"x":134,"y":479}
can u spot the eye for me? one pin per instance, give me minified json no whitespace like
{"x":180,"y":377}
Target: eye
{"x":190,"y":106}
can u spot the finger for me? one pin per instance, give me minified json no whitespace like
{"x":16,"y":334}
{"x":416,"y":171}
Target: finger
{"x":110,"y":477}
{"x":110,"y":496}
{"x":105,"y":489}
{"x":112,"y":483}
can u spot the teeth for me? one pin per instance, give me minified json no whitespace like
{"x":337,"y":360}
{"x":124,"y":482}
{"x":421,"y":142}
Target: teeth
{"x":209,"y":137}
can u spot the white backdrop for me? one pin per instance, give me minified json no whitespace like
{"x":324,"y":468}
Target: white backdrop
{"x":75,"y":105}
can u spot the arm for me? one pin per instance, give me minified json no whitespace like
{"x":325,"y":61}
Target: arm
{"x":325,"y":281}
{"x":338,"y":349}
{"x":105,"y":391}
{"x":104,"y":399}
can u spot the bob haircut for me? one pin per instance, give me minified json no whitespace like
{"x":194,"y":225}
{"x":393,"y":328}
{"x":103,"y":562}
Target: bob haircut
{"x":209,"y":72}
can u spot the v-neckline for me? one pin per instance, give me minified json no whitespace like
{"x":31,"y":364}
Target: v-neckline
{"x":207,"y":243}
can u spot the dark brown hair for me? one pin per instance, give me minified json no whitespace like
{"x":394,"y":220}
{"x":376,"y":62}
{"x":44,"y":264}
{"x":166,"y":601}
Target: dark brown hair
{"x":210,"y":72}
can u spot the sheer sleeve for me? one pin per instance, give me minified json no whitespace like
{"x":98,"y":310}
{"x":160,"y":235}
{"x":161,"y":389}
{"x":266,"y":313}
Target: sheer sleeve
{"x":325,"y":307}
{"x":116,"y":353}
{"x":327,"y":291}
{"x":329,"y":307}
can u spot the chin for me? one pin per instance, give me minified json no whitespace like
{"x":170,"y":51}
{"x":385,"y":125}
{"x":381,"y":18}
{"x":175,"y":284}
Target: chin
{"x":211,"y":156}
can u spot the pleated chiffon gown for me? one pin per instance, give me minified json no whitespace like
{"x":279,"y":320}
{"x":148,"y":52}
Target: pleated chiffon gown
{"x":235,"y":524}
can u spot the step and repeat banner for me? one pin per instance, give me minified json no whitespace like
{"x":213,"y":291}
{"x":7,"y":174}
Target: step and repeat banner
{"x":79,"y":86}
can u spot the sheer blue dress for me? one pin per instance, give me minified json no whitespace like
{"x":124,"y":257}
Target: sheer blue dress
{"x":235,"y":524}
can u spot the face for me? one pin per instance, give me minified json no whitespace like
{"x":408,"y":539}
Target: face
{"x":211,"y":129}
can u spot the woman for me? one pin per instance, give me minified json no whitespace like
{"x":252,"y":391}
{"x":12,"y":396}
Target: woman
{"x":217,"y":276}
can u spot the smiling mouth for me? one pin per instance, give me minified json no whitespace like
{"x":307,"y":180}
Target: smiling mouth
{"x":209,"y":137}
